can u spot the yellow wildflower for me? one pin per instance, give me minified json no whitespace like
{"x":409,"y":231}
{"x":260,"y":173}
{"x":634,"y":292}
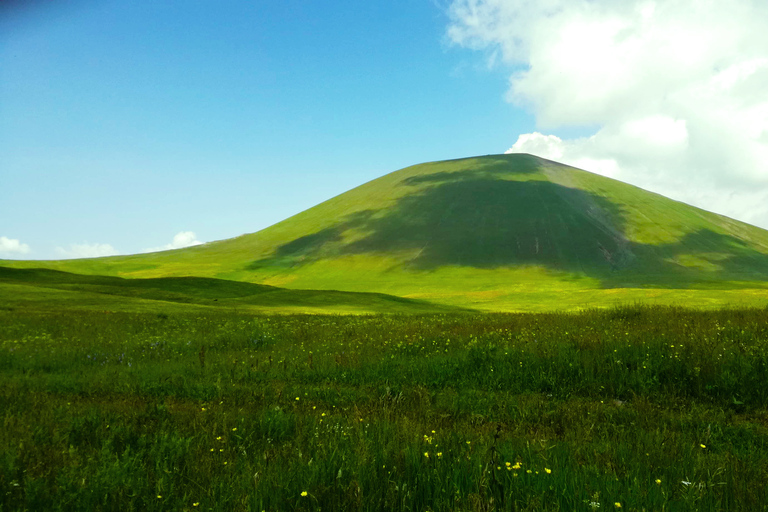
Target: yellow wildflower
{"x":304,"y":493}
{"x":549,"y":471}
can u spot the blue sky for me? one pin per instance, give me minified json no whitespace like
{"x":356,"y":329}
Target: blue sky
{"x":124,"y":124}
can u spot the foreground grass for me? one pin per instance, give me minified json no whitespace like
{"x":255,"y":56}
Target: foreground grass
{"x":631,"y":408}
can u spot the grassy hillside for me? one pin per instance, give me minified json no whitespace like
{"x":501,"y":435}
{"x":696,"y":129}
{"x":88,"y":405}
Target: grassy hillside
{"x":494,"y":232}
{"x":44,"y":290}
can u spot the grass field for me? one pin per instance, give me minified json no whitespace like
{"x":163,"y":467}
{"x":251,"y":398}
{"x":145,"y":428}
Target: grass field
{"x":43,"y":290}
{"x":630,"y":408}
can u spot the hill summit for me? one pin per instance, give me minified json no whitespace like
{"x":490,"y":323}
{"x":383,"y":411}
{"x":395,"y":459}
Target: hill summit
{"x":480,"y":230}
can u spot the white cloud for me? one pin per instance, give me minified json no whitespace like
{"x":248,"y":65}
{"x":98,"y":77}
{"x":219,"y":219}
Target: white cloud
{"x":678,"y":89}
{"x":12,"y":247}
{"x":574,"y":152}
{"x":184,"y":239}
{"x":86,"y":251}
{"x":180,"y":240}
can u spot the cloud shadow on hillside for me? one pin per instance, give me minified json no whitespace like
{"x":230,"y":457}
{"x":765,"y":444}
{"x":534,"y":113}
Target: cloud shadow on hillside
{"x":711,"y":256}
{"x":475,"y":218}
{"x":472,"y":218}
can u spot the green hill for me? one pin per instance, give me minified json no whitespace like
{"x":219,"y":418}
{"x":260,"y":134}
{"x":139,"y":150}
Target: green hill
{"x":495,"y":232}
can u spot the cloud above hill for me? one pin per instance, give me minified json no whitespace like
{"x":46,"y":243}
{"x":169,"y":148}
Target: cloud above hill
{"x":675,"y":93}
{"x":86,"y":251}
{"x":180,"y":240}
{"x":12,"y":247}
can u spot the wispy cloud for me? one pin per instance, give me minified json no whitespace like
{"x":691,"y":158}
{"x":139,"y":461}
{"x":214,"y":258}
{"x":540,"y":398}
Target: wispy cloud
{"x":86,"y":251}
{"x":180,"y":240}
{"x":678,"y":90}
{"x":12,"y":247}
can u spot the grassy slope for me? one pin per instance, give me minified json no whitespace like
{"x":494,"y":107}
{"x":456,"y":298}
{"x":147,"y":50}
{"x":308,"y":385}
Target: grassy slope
{"x":42,"y":289}
{"x":495,"y":232}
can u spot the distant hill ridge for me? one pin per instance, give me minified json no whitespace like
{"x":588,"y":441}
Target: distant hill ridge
{"x":477,"y":229}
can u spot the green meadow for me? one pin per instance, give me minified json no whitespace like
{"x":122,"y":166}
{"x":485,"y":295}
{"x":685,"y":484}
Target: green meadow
{"x":627,"y":408}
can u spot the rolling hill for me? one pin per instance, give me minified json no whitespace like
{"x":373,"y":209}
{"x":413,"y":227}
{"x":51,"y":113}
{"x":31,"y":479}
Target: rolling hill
{"x":499,"y":232}
{"x":44,"y":289}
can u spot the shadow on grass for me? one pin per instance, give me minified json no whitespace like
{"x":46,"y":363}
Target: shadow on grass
{"x":703,"y":257}
{"x":474,"y":219}
{"x":481,"y":218}
{"x":209,"y":292}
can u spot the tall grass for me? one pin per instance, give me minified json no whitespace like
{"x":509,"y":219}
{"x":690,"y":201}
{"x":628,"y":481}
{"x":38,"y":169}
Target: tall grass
{"x":636,"y":407}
